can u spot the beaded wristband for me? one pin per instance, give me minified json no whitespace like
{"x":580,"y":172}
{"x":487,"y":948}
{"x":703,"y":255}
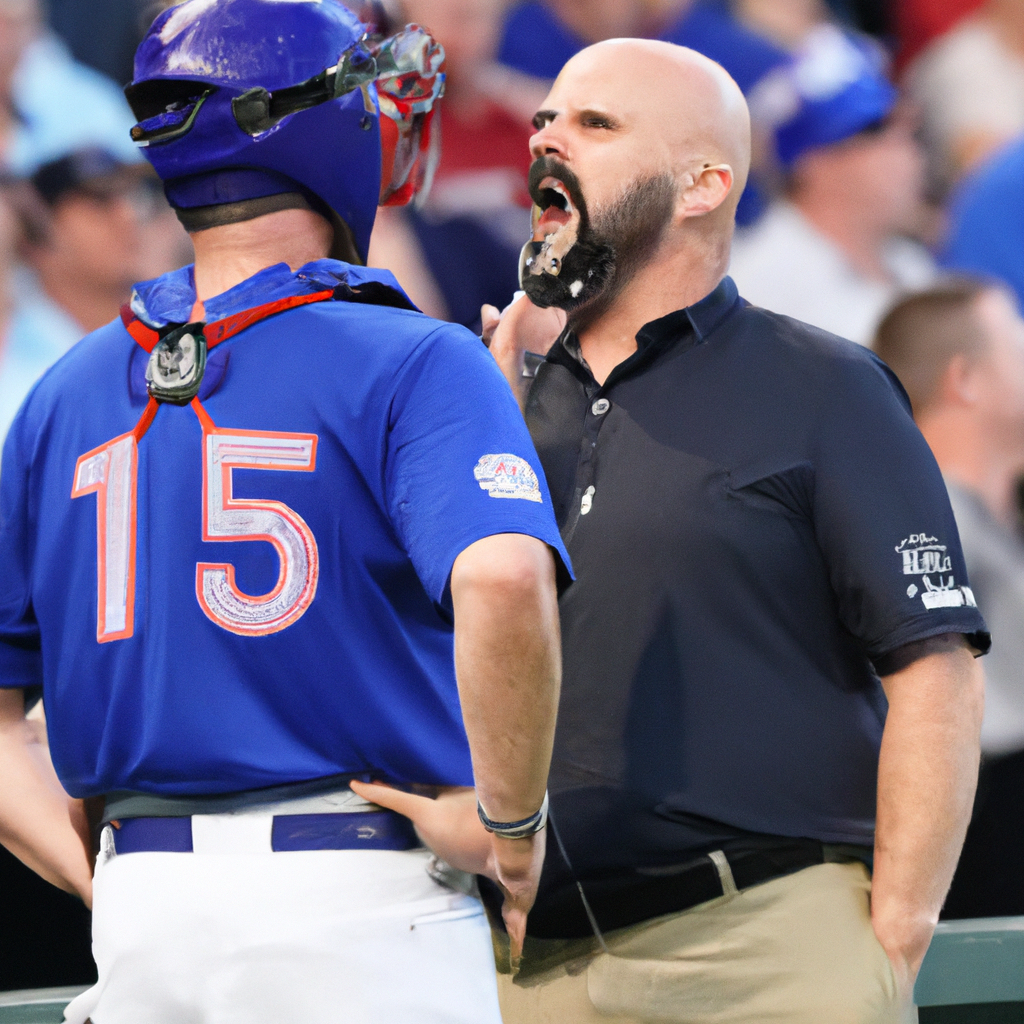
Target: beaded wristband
{"x":516,"y":829}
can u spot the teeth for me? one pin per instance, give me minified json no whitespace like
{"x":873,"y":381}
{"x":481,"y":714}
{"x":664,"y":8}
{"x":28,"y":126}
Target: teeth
{"x":556,"y":186}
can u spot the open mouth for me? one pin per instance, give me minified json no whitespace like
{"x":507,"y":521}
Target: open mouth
{"x":555,"y":208}
{"x":556,"y":224}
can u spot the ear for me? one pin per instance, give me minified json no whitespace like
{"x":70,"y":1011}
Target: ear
{"x":704,"y":191}
{"x":958,"y":384}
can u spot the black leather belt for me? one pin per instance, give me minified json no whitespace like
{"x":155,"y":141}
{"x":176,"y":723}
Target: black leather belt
{"x":622,"y":899}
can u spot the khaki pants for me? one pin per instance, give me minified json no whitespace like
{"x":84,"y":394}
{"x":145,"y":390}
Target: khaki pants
{"x":798,"y":950}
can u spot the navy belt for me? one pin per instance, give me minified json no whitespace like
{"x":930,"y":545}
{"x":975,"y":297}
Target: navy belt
{"x":367,"y":830}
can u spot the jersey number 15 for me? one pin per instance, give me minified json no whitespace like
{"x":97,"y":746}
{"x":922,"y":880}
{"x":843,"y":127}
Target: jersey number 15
{"x":111,"y":472}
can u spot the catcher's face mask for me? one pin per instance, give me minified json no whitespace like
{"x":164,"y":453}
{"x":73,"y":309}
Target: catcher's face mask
{"x":405,"y":68}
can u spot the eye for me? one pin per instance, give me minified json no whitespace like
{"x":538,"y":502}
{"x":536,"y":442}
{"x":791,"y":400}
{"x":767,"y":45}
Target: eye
{"x":597,"y":121}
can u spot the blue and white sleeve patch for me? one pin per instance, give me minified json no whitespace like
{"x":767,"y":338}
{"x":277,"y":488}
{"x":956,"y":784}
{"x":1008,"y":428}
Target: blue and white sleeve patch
{"x":507,"y":476}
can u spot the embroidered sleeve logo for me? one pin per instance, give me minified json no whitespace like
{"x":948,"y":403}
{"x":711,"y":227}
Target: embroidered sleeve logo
{"x":507,"y":476}
{"x":924,"y":556}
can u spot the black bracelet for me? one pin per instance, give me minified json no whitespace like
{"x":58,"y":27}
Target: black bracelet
{"x":516,"y":829}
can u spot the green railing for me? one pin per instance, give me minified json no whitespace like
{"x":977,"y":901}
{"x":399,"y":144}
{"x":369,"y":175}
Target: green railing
{"x":973,"y":974}
{"x":36,"y":1006}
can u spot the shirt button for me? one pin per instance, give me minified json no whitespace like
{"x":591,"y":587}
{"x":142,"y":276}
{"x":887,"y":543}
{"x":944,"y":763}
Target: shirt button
{"x":600,"y":407}
{"x":588,"y":501}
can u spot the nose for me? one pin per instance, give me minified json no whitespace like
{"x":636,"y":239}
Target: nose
{"x":548,"y":141}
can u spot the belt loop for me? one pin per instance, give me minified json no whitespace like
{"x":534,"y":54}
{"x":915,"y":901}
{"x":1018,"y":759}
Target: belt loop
{"x":718,"y":858}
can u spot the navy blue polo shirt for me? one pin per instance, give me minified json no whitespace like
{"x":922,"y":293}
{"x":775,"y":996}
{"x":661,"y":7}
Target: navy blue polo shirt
{"x":755,"y":523}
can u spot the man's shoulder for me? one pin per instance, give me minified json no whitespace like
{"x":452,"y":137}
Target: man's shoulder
{"x":387,"y":333}
{"x":802,"y":340}
{"x":812,"y":355}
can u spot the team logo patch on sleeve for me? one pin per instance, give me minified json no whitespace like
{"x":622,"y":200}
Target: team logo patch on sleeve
{"x":507,"y":476}
{"x":924,"y":556}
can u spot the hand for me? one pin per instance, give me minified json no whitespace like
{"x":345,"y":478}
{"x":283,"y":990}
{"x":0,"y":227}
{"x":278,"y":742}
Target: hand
{"x":449,"y":825}
{"x":905,"y":941}
{"x":451,"y":828}
{"x":521,"y":327}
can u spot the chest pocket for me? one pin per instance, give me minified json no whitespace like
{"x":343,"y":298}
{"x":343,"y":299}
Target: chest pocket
{"x":788,"y":491}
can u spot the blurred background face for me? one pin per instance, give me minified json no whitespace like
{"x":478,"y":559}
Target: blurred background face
{"x":9,"y":235}
{"x":594,"y":20}
{"x":19,"y":22}
{"x":880,"y":171}
{"x":98,"y":231}
{"x":998,"y":376}
{"x":468,"y":30}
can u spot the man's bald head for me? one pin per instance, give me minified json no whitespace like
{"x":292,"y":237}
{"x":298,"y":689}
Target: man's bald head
{"x":693,"y":114}
{"x":641,"y":153}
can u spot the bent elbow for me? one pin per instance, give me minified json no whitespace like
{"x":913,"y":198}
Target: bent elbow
{"x":509,"y":566}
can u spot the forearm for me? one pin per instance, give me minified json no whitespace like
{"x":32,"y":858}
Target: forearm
{"x":508,"y":663}
{"x":39,"y":823}
{"x":927,"y":774}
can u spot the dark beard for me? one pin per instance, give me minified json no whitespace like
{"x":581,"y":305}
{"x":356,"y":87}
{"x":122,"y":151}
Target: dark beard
{"x":610,"y":247}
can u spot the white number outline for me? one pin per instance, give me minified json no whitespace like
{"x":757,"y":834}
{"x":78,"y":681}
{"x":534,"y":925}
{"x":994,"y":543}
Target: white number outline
{"x":103,"y":472}
{"x":227,"y":518}
{"x":111,"y":472}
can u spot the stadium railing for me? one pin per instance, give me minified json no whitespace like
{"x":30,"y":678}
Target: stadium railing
{"x":973,"y":974}
{"x":36,"y":1005}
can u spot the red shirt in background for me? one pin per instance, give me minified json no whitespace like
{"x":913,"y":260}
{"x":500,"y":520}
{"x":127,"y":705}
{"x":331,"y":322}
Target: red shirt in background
{"x":918,"y":22}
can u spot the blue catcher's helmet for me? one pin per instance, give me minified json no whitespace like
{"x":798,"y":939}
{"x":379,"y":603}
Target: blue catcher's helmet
{"x":245,"y":99}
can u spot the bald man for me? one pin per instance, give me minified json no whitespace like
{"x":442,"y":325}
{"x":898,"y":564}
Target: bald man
{"x":759,"y":533}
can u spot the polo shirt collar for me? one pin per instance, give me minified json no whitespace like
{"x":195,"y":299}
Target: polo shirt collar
{"x":688,"y":326}
{"x":700,"y":319}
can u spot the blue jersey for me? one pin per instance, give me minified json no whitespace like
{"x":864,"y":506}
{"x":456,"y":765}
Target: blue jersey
{"x":253,"y":590}
{"x":986,"y":220}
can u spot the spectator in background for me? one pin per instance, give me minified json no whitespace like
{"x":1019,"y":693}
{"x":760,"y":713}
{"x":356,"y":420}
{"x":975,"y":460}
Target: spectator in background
{"x":461,"y":249}
{"x":786,"y":22}
{"x":969,"y":84}
{"x":94,"y":232}
{"x":19,"y":24}
{"x":49,"y":104}
{"x":101,"y":33}
{"x":539,"y":36}
{"x":9,"y":235}
{"x":986,"y":221}
{"x":833,"y":252}
{"x":959,"y":351}
{"x":918,"y":22}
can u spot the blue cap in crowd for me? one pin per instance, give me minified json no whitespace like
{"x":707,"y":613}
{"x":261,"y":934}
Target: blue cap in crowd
{"x":840,"y":89}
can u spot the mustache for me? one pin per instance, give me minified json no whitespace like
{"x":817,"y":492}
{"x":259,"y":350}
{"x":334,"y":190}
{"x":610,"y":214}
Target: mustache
{"x":550,"y":167}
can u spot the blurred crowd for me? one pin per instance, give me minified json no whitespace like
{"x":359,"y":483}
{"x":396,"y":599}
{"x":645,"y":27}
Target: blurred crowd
{"x":886,"y":205}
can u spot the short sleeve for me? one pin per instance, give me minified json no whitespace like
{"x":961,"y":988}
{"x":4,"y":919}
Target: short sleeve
{"x":20,"y":655}
{"x":460,"y":462}
{"x":883,"y":519}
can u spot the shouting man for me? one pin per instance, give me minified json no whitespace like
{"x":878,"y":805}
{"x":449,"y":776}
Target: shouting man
{"x":768,"y":734}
